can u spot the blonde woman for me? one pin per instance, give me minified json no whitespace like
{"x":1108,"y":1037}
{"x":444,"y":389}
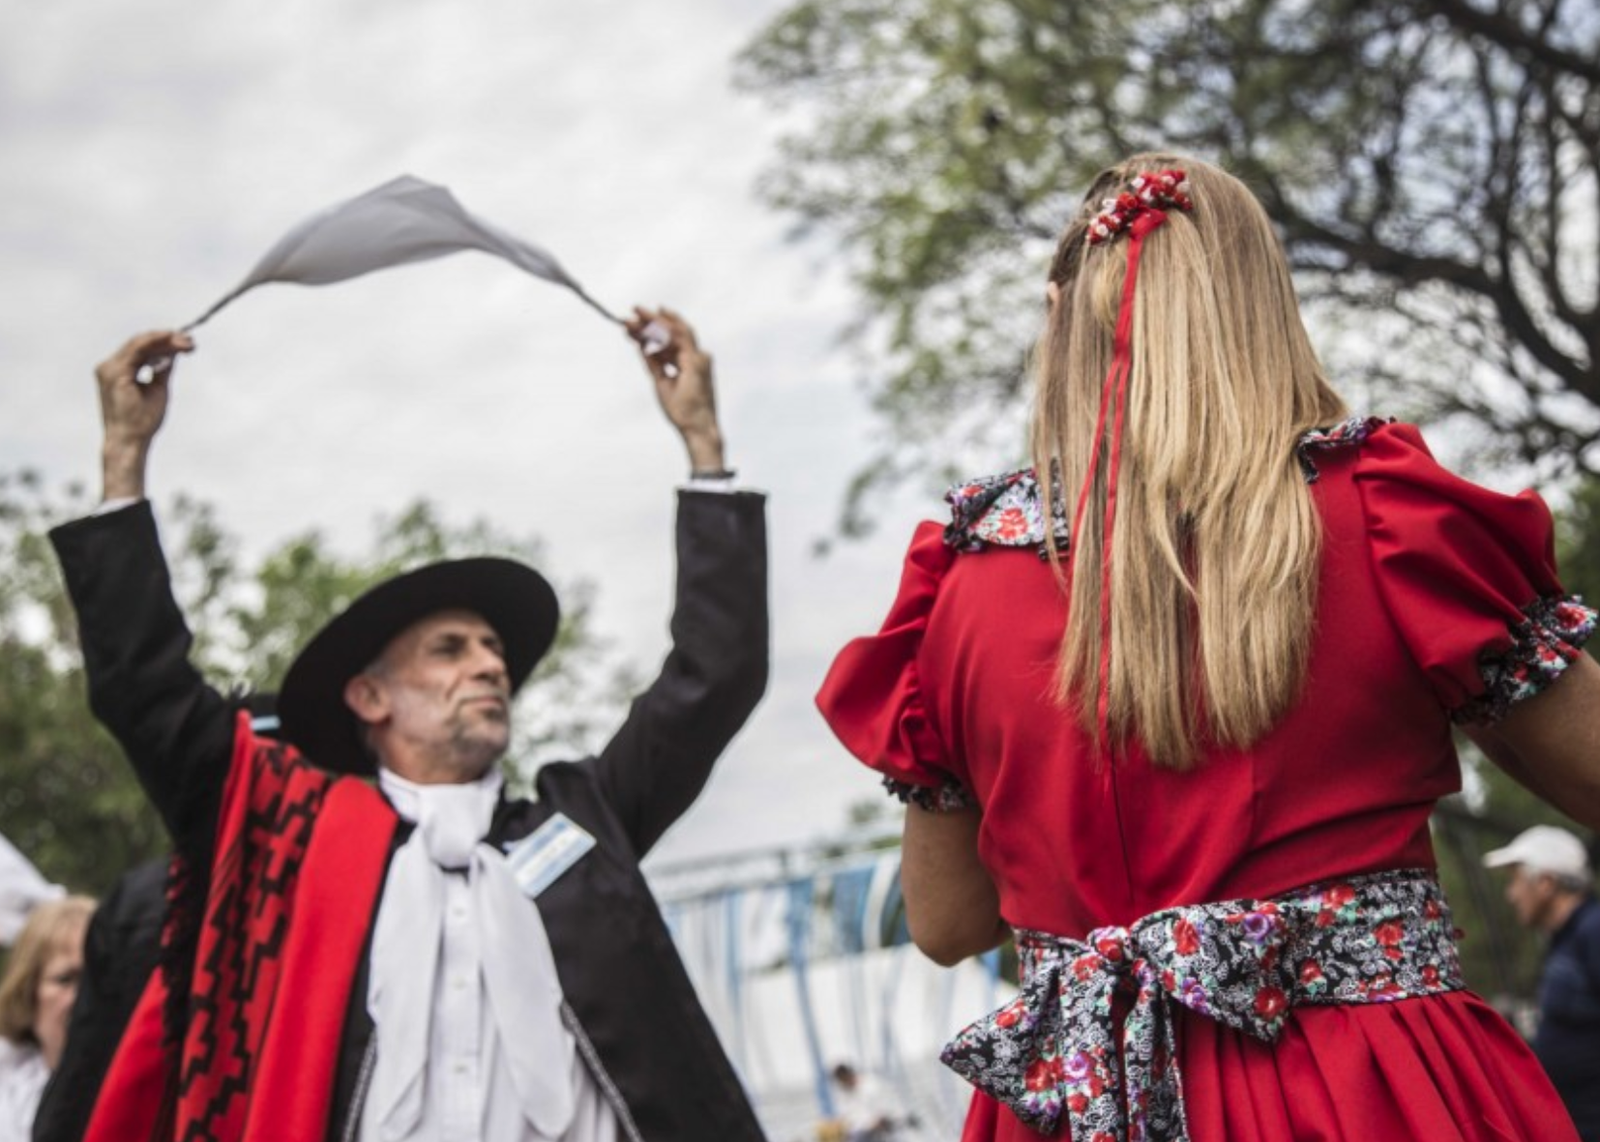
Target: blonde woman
{"x":1175,"y":703}
{"x":36,"y":993}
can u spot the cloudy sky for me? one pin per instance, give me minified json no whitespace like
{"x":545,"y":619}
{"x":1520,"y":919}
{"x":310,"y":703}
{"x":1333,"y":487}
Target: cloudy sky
{"x":155,"y":149}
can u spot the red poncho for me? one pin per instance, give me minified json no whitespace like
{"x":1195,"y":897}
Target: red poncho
{"x":293,"y":883}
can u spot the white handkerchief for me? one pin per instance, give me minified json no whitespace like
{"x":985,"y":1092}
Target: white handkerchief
{"x":405,"y":220}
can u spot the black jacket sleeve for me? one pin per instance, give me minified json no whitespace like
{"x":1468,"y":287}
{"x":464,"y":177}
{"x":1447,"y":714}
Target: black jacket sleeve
{"x":716,"y":672}
{"x":175,"y":728}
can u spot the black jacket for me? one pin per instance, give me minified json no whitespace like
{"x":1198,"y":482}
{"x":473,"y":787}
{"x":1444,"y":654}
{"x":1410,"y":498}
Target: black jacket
{"x":638,"y":1022}
{"x":1568,"y":1042}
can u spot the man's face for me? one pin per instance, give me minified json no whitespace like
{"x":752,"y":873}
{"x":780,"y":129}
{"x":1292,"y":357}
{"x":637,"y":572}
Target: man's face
{"x":1530,"y":894}
{"x":437,"y":702}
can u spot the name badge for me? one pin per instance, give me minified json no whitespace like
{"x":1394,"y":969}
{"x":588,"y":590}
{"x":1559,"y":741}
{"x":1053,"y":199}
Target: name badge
{"x":547,"y":852}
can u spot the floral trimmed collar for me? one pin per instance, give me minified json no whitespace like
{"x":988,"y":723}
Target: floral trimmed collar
{"x":1347,"y":434}
{"x":1007,"y":510}
{"x":1004,"y":511}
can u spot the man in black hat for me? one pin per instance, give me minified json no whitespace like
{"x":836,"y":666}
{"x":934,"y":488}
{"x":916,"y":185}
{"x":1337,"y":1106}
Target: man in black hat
{"x":426,"y":959}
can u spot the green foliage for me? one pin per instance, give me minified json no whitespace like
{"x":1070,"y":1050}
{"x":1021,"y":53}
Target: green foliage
{"x":67,"y":798}
{"x":1500,"y":958}
{"x":1432,"y":166}
{"x":1578,"y":542}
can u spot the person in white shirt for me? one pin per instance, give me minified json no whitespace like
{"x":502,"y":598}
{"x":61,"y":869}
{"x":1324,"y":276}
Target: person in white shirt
{"x":36,"y":994}
{"x":865,"y":1111}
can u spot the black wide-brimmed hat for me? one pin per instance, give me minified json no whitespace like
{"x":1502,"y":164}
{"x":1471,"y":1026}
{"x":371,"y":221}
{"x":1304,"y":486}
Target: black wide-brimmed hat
{"x":511,"y":597}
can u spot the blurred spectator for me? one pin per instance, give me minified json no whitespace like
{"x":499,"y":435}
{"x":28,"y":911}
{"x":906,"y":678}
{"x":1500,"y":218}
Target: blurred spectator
{"x":1552,"y":891}
{"x":36,"y":996}
{"x":864,"y":1113}
{"x":120,"y":952}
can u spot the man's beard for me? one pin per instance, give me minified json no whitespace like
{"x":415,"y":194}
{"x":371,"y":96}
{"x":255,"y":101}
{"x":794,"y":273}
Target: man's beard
{"x":475,"y":746}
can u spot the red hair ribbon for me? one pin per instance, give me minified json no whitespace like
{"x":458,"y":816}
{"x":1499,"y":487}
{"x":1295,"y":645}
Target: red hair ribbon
{"x":1138,"y":212}
{"x":1152,"y":190}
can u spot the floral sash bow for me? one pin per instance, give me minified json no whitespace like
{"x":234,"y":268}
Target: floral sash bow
{"x":1244,"y":963}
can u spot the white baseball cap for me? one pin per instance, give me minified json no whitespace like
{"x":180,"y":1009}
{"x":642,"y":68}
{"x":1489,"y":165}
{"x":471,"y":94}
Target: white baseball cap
{"x":1543,"y":848}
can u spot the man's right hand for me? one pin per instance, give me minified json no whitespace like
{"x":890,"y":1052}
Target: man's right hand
{"x":682,"y":374}
{"x":132,"y":410}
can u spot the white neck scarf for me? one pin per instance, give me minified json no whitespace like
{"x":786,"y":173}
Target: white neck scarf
{"x":522,"y":992}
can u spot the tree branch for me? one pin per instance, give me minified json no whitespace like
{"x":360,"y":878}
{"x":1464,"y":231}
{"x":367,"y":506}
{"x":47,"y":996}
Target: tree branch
{"x":1504,"y":31}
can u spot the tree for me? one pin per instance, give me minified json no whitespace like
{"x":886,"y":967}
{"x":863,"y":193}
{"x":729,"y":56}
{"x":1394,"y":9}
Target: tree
{"x":1433,"y":167}
{"x":70,"y":801}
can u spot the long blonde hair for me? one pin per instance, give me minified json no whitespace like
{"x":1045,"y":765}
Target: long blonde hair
{"x":1216,"y":542}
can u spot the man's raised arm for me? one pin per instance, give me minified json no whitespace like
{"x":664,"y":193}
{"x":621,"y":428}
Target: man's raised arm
{"x":175,"y":728}
{"x":716,"y":672}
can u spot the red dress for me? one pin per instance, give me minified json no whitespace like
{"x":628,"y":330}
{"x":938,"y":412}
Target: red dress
{"x":1436,"y":597}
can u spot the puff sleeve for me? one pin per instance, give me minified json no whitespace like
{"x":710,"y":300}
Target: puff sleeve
{"x":872,"y":697}
{"x":1468,"y":577}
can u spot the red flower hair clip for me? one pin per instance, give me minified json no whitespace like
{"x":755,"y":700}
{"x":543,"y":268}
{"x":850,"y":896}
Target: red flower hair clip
{"x":1153,"y":190}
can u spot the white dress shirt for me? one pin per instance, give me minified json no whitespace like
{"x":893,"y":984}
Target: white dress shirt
{"x":22,"y":1078}
{"x":487,"y":1057}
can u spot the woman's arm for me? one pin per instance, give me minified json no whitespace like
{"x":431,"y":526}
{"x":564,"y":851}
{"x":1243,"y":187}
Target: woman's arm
{"x":952,"y":907}
{"x":1551,"y":742}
